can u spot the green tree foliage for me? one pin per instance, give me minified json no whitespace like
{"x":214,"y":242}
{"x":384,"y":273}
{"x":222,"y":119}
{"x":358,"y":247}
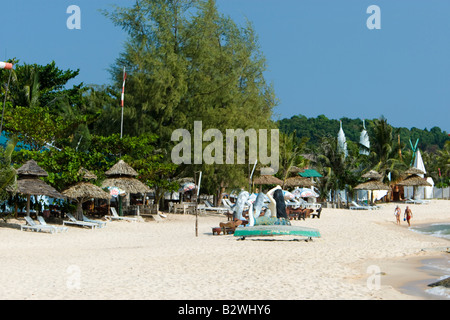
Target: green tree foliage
{"x":187,"y":62}
{"x":321,"y":126}
{"x":41,"y":110}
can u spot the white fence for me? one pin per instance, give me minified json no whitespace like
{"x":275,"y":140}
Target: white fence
{"x":441,"y":193}
{"x":427,"y":193}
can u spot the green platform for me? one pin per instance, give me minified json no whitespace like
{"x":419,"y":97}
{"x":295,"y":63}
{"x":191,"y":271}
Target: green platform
{"x":276,"y":230}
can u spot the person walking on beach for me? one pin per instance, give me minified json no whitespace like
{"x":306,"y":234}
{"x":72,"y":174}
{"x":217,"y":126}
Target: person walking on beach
{"x":397,"y":214}
{"x":408,"y":215}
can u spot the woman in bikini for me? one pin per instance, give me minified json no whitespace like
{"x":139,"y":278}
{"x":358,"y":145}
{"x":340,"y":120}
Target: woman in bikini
{"x":397,"y":214}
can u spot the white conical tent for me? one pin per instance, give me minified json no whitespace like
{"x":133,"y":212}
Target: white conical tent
{"x":342,"y":143}
{"x":418,"y":162}
{"x":364,"y":141}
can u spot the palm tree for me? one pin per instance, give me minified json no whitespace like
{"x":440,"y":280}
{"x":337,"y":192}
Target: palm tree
{"x":443,"y":162}
{"x":384,"y":158}
{"x":290,"y":153}
{"x":7,"y":172}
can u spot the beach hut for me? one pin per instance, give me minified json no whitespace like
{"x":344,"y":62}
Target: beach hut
{"x":84,"y":191}
{"x":414,"y":178}
{"x":29,"y":183}
{"x":123,"y":176}
{"x":373,"y":183}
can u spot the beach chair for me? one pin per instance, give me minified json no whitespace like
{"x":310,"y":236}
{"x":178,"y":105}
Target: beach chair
{"x":226,"y":203}
{"x":115,"y":216}
{"x":44,"y":223}
{"x":100,"y":224}
{"x":31,"y":225}
{"x":356,"y":206}
{"x":75,"y":222}
{"x":417,"y":201}
{"x":368,"y":206}
{"x":210,"y":207}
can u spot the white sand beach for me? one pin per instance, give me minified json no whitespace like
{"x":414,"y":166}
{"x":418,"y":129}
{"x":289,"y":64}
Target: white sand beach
{"x":165,"y":261}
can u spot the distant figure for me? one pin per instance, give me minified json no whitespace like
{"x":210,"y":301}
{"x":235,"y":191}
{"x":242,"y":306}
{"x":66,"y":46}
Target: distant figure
{"x":397,"y":213}
{"x":408,"y":215}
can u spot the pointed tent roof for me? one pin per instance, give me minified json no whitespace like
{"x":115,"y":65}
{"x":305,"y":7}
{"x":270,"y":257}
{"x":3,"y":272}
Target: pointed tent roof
{"x":364,"y":141}
{"x":418,"y":163}
{"x":342,"y":143}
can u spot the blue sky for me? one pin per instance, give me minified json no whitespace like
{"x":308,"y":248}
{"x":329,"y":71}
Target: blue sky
{"x":322,"y":58}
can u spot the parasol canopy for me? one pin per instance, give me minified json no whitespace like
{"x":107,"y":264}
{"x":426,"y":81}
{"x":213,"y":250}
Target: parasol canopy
{"x":288,"y":195}
{"x":187,"y":187}
{"x":305,"y":193}
{"x":115,"y":192}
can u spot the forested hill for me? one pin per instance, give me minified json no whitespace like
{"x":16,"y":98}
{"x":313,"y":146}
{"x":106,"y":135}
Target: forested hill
{"x":315,"y":128}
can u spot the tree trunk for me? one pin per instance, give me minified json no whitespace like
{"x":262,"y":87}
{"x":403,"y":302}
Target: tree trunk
{"x":79,"y":214}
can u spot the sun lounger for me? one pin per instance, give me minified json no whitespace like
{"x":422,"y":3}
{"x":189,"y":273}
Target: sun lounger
{"x":210,"y":207}
{"x":31,"y":225}
{"x":99,"y":223}
{"x":417,"y":201}
{"x":44,"y":223}
{"x":75,"y":222}
{"x":356,"y":206}
{"x":115,"y":216}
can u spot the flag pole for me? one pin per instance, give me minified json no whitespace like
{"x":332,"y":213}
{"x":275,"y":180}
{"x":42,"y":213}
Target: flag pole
{"x":4,"y":65}
{"x":121,"y":102}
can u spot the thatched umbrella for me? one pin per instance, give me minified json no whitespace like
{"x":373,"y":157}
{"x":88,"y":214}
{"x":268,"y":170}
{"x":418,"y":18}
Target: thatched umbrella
{"x":372,"y":174}
{"x":84,"y":191}
{"x":298,"y":182}
{"x":267,"y":179}
{"x":123,"y":176}
{"x":29,"y":183}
